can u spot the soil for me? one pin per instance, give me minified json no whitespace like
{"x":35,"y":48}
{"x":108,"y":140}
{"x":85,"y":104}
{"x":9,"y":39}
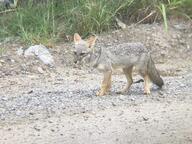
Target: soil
{"x":58,"y":105}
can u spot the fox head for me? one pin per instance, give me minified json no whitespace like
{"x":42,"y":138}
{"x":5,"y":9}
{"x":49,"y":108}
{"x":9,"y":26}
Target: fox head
{"x":83,"y":48}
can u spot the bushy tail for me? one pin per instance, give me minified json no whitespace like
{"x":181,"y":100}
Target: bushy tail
{"x":153,"y":73}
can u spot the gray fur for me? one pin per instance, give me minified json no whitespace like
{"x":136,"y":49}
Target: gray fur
{"x":124,"y":56}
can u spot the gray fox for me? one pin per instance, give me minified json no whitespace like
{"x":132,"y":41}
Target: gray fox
{"x":125,"y":56}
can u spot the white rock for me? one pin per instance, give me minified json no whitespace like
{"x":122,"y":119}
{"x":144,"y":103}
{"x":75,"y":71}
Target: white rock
{"x":41,"y":52}
{"x":20,"y":51}
{"x":120,"y":24}
{"x":40,"y":70}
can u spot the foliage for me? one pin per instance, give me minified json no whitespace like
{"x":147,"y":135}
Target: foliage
{"x":44,"y":21}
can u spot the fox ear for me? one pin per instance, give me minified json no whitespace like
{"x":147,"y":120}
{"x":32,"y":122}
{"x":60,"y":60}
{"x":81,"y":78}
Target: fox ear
{"x":91,"y":41}
{"x":77,"y":37}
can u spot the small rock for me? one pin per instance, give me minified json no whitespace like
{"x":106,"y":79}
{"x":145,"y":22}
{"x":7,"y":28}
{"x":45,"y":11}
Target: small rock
{"x":31,"y":91}
{"x":18,"y":113}
{"x":4,"y":98}
{"x":40,"y":70}
{"x":121,"y":113}
{"x":37,"y":129}
{"x":50,"y":121}
{"x":175,"y":36}
{"x":86,"y":118}
{"x":190,"y":35}
{"x":182,"y":85}
{"x":145,"y":118}
{"x":120,"y":23}
{"x":31,"y":113}
{"x":182,"y":41}
{"x":20,"y":51}
{"x":113,"y":104}
{"x":121,"y":97}
{"x":12,"y":60}
{"x":161,"y":93}
{"x":163,"y":54}
{"x":9,"y":129}
{"x":2,"y":61}
{"x":180,"y":26}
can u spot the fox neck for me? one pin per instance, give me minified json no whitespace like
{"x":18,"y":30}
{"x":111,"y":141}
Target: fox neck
{"x":95,"y":57}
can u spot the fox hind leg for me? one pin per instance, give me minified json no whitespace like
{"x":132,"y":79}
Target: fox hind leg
{"x":128,"y":74}
{"x":147,"y":85}
{"x":106,"y":84}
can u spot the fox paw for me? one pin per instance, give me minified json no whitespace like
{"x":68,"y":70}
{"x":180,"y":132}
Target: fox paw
{"x":101,"y":93}
{"x":147,"y":93}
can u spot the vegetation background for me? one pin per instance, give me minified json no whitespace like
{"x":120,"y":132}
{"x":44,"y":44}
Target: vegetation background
{"x":42,"y":21}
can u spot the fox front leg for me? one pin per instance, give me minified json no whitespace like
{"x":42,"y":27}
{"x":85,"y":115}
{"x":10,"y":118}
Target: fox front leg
{"x":106,"y":84}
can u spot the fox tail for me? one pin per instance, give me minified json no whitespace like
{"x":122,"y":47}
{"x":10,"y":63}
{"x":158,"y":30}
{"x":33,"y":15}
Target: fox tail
{"x":153,"y":73}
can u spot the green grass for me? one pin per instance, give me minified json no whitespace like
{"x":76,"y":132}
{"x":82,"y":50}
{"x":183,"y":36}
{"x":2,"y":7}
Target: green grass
{"x":49,"y":20}
{"x":90,"y":15}
{"x":32,"y":24}
{"x":163,"y":10}
{"x":2,"y":50}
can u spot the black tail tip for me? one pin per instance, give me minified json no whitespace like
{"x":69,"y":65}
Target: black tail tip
{"x":161,"y":83}
{"x":138,"y":81}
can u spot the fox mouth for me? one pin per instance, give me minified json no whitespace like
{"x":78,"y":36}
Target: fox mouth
{"x":80,"y":57}
{"x":89,"y":57}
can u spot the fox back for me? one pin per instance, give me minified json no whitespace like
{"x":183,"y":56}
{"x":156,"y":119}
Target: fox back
{"x":125,"y":49}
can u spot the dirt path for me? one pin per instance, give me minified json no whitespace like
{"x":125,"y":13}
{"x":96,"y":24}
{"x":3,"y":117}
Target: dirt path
{"x":59,"y":106}
{"x":67,"y":111}
{"x":156,"y":123}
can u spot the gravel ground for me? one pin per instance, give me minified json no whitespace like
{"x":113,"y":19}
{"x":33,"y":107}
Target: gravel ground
{"x":59,"y":106}
{"x":64,"y":109}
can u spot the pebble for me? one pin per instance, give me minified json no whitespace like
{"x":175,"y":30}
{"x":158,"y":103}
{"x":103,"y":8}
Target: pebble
{"x":40,"y":70}
{"x":37,"y":129}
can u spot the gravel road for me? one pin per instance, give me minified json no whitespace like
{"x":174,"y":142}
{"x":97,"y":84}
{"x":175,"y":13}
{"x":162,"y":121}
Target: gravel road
{"x":59,"y":106}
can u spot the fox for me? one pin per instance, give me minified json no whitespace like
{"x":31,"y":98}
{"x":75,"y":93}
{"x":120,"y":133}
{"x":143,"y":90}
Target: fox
{"x":126,"y":56}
